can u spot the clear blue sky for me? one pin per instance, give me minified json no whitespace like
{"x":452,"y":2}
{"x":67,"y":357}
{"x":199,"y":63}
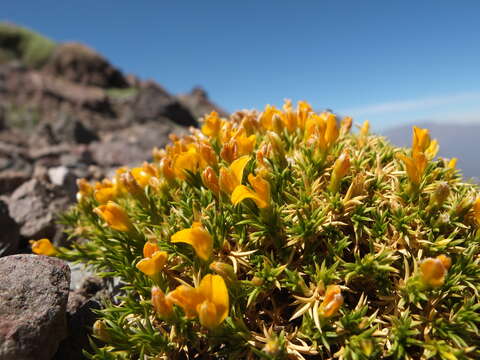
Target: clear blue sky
{"x":387,"y":61}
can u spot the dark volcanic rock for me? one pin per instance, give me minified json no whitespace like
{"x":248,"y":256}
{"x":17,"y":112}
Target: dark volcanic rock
{"x":80,"y":64}
{"x":33,"y":299}
{"x":11,"y":179}
{"x":9,"y":233}
{"x":34,"y":206}
{"x":154,"y":103}
{"x":134,"y":144}
{"x":199,"y":104}
{"x":70,"y":130}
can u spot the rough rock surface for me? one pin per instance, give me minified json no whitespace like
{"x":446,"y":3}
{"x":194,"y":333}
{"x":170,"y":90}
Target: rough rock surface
{"x":34,"y":206}
{"x":33,"y":300}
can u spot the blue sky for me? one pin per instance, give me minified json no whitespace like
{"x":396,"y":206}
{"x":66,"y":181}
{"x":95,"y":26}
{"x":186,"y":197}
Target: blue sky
{"x":387,"y":61}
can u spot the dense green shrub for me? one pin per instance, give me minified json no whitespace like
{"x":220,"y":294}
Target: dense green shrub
{"x":283,"y":235}
{"x":25,"y":45}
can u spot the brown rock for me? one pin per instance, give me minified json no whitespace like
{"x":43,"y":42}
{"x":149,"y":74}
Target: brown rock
{"x":33,"y":299}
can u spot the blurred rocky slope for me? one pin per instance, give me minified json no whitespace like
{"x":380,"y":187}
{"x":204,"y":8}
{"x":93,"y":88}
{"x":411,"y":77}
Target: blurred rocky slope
{"x":66,"y":112}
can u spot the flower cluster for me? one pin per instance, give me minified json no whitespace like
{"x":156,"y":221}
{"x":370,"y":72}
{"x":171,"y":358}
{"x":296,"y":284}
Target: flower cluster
{"x":283,"y":234}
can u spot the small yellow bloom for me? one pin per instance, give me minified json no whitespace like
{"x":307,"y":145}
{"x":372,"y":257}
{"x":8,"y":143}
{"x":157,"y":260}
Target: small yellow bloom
{"x":362,"y":136}
{"x":212,"y":125}
{"x":434,"y":270}
{"x":331,"y":132}
{"x":332,"y":301}
{"x":115,"y":216}
{"x":43,"y":247}
{"x":84,"y":189}
{"x":162,"y":305}
{"x":142,"y":175}
{"x":186,"y":161}
{"x":260,"y":193}
{"x":153,"y":265}
{"x":245,"y":144}
{"x":420,"y":139}
{"x":207,"y":155}
{"x":415,"y":166}
{"x":289,"y":117}
{"x":198,"y":237}
{"x":340,"y":169}
{"x":232,"y":176}
{"x":105,"y":191}
{"x":229,"y":151}
{"x":209,"y":301}
{"x":266,"y":118}
{"x":210,"y":180}
{"x":149,"y":249}
{"x":452,"y":163}
{"x":476,"y":210}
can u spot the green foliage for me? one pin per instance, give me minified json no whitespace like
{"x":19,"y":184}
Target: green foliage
{"x":25,"y":45}
{"x":359,"y":270}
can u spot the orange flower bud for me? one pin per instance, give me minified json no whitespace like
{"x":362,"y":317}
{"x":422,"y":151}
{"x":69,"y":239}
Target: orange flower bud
{"x":332,"y":301}
{"x":161,"y":304}
{"x":210,"y":180}
{"x":340,"y":169}
{"x":434,"y":270}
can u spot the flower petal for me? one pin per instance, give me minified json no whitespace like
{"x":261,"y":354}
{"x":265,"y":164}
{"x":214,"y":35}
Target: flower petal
{"x":242,"y":192}
{"x":199,"y":238}
{"x":214,"y":289}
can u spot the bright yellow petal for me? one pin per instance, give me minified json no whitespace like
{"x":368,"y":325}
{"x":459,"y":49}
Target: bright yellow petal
{"x":115,"y":216}
{"x":199,"y":238}
{"x":152,"y":266}
{"x":411,"y":168}
{"x":188,"y":298}
{"x":261,"y":187}
{"x":208,"y":315}
{"x":420,"y":139}
{"x":331,"y":132}
{"x":432,"y":150}
{"x":214,"y":289}
{"x":242,"y":192}
{"x":105,"y":194}
{"x":43,"y":247}
{"x":238,"y":166}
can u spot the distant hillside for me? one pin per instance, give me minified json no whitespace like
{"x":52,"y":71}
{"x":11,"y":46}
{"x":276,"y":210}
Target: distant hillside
{"x":456,"y":140}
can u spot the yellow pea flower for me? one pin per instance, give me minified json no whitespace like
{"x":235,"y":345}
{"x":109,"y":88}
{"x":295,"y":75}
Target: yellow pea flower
{"x":152,"y":266}
{"x":331,"y":131}
{"x":162,"y":305}
{"x":210,"y":180}
{"x":362,"y":136}
{"x":340,"y":169}
{"x":43,"y":247}
{"x":415,"y":166}
{"x":198,"y":237}
{"x":260,"y":193}
{"x":232,"y":176}
{"x":315,"y":123}
{"x":115,"y":216}
{"x":245,"y":144}
{"x":332,"y":301}
{"x":452,"y":163}
{"x":143,"y":174}
{"x":421,"y":143}
{"x":187,"y":160}
{"x":212,"y":125}
{"x":209,"y":301}
{"x":266,"y":118}
{"x":476,"y":210}
{"x":84,"y":189}
{"x":434,"y":270}
{"x":105,"y":192}
{"x":149,"y":249}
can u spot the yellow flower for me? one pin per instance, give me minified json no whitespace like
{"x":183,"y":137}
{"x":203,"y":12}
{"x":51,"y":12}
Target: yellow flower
{"x":143,"y":174}
{"x":260,"y":193}
{"x":84,"y":189}
{"x":186,"y":161}
{"x":362,"y":137}
{"x":162,"y":305}
{"x":152,"y":266}
{"x":476,"y":210}
{"x":198,"y":237}
{"x":115,"y":216}
{"x":105,"y":191}
{"x":452,"y":163}
{"x":212,"y":125}
{"x":210,"y":180}
{"x":232,"y":176}
{"x":332,"y":301}
{"x":209,"y":301}
{"x":43,"y":247}
{"x":415,"y":166}
{"x":331,"y":132}
{"x":289,"y":118}
{"x":266,"y":117}
{"x":421,"y":143}
{"x":245,"y":144}
{"x":340,"y":169}
{"x":434,"y":270}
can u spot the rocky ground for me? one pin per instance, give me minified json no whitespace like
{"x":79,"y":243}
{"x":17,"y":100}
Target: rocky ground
{"x":75,"y":116}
